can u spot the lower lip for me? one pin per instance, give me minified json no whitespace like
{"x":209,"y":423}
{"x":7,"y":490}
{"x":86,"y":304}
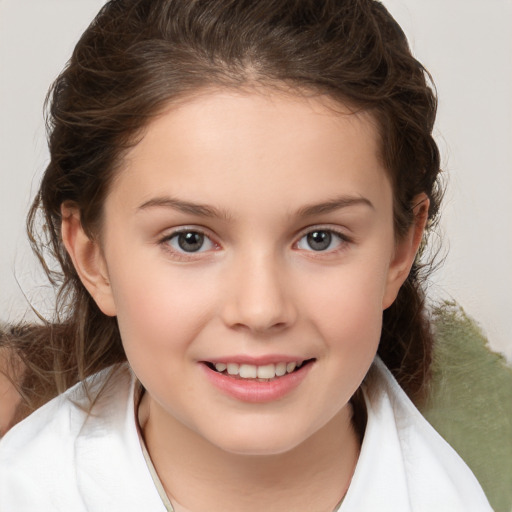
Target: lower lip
{"x":249,"y":390}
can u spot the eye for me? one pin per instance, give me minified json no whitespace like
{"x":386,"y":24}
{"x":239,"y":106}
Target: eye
{"x":189,"y":242}
{"x":321,"y":240}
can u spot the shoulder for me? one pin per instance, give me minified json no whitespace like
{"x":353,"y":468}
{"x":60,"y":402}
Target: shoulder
{"x":41,"y":458}
{"x":9,"y":396}
{"x":35,"y":451}
{"x":405,"y":462}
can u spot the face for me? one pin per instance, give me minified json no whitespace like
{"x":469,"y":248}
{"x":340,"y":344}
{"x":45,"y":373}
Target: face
{"x":248,"y":253}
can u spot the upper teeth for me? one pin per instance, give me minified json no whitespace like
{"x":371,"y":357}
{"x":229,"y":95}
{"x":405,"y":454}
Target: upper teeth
{"x":251,"y":371}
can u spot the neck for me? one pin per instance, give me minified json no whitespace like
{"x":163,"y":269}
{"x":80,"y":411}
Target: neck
{"x":197,"y":475}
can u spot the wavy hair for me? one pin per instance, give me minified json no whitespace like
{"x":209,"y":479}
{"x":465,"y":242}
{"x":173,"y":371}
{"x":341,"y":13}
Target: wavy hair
{"x":137,"y":56}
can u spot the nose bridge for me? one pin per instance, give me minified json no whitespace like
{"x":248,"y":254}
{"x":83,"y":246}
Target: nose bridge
{"x":257,"y":297}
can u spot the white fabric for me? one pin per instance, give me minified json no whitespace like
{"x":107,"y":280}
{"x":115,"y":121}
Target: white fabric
{"x":405,"y":465}
{"x":60,"y":459}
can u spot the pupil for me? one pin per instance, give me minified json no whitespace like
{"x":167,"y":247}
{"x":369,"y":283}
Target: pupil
{"x":190,"y":242}
{"x":319,"y":240}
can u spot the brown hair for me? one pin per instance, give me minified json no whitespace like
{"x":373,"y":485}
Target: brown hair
{"x":139,"y":55}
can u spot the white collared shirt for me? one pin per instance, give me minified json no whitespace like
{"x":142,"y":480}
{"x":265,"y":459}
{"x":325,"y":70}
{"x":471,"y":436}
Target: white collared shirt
{"x":61,"y":459}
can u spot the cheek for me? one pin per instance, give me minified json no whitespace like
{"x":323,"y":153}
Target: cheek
{"x":157,"y":304}
{"x":346,"y":304}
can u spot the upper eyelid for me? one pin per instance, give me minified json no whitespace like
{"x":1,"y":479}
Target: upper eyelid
{"x":319,"y":227}
{"x":171,"y":232}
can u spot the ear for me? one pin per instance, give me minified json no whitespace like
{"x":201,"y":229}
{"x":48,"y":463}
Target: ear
{"x":87,"y":258}
{"x":405,"y":251}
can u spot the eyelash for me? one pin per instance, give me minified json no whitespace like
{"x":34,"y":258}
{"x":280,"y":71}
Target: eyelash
{"x":183,"y":255}
{"x":343,"y":239}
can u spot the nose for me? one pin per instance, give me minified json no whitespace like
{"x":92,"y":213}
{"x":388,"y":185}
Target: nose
{"x":258,"y":297}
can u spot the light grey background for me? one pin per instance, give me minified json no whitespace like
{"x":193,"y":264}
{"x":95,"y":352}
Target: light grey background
{"x":467,"y":46}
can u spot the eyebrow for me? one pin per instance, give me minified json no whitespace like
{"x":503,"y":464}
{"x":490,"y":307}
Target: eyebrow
{"x":201,"y":210}
{"x":334,"y":204}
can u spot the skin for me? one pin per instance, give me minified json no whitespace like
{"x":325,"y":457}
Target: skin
{"x":10,"y":399}
{"x":263,"y":161}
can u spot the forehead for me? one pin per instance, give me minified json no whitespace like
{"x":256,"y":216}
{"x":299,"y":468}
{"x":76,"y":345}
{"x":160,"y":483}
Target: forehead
{"x":232,"y":144}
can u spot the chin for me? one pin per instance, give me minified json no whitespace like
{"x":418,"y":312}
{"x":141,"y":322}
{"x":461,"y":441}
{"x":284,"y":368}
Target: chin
{"x":268,"y":442}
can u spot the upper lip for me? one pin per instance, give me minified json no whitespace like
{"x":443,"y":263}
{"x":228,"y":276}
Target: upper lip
{"x":257,"y":360}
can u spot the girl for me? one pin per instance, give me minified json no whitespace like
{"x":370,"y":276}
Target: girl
{"x":235,"y":199}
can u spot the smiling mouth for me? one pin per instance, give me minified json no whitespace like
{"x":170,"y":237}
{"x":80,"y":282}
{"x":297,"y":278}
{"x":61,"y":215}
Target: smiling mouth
{"x":260,"y":373}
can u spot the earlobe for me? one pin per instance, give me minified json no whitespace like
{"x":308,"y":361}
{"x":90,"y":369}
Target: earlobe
{"x":406,"y":250}
{"x":87,"y":259}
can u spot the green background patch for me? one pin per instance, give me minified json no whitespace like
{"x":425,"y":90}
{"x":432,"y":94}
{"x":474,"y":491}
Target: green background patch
{"x":471,"y":402}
